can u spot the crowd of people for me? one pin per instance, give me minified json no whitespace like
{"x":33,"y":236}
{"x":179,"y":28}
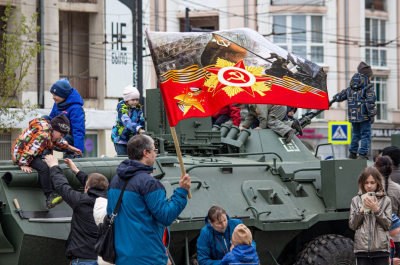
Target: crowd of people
{"x":374,"y":212}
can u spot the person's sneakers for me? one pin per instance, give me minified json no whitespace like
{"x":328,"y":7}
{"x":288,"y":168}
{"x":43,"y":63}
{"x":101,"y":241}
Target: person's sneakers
{"x":296,"y":125}
{"x":53,"y":200}
{"x":363,"y":156}
{"x":289,"y":135}
{"x":352,"y":155}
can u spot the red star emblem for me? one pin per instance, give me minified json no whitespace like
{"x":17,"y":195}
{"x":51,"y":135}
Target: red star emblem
{"x":236,"y":76}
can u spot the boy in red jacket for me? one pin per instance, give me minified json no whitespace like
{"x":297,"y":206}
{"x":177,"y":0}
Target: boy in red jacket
{"x":225,"y":114}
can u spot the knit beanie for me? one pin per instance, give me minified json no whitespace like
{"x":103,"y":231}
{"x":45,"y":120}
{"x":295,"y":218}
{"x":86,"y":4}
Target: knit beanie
{"x":241,"y":235}
{"x":131,"y":92}
{"x":60,"y":124}
{"x":395,"y":222}
{"x":61,"y":88}
{"x":393,"y":152}
{"x":365,"y":69}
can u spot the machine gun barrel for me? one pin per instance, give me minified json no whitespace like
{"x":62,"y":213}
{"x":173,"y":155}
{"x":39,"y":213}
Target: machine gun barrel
{"x":306,"y":118}
{"x":14,"y":177}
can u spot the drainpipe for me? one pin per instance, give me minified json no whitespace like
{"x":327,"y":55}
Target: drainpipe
{"x":41,"y":69}
{"x":156,"y":14}
{"x":246,"y":13}
{"x":346,"y":36}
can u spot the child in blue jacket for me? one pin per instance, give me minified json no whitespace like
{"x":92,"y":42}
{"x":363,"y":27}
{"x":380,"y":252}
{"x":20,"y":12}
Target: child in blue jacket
{"x":242,"y":252}
{"x":361,"y":98}
{"x":393,"y":232}
{"x":67,"y":101}
{"x":129,"y":121}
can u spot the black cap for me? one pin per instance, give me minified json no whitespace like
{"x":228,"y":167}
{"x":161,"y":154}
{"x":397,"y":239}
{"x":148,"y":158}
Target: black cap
{"x":365,"y":69}
{"x":60,"y":124}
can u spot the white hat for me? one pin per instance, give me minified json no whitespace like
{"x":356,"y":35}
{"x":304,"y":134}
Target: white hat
{"x":131,"y":92}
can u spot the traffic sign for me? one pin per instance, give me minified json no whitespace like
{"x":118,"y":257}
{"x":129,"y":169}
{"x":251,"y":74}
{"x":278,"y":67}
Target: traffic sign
{"x":339,"y":132}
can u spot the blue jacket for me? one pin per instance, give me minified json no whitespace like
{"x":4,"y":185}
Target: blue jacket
{"x":361,"y":98}
{"x":241,"y":254}
{"x":73,"y":110}
{"x":209,"y":251}
{"x":128,"y":122}
{"x":143,"y":215}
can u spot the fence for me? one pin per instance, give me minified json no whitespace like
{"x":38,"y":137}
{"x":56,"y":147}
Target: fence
{"x":85,"y":85}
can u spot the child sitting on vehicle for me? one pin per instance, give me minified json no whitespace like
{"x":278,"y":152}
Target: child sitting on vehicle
{"x":30,"y":144}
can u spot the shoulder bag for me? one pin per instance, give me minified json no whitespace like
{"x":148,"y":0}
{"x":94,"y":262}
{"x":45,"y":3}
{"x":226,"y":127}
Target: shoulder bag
{"x":104,"y":246}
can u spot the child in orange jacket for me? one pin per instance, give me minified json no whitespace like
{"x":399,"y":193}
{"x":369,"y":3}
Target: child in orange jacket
{"x":30,"y":144}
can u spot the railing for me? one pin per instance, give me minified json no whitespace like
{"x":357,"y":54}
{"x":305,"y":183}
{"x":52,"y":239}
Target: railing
{"x":375,"y":5}
{"x":79,"y":1}
{"x":85,"y":85}
{"x":298,"y":2}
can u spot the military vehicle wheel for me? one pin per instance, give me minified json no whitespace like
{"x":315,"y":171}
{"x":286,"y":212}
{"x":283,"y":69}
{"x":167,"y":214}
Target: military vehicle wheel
{"x":328,"y":250}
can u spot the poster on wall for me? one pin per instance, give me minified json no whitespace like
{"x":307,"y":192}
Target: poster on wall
{"x":119,"y":55}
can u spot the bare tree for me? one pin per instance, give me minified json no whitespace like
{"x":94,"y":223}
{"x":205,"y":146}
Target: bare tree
{"x":19,"y":47}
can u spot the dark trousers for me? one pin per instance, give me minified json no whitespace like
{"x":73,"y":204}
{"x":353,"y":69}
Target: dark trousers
{"x":397,"y":244}
{"x":373,"y":261}
{"x":361,"y":131}
{"x":221,"y":119}
{"x":44,"y":174}
{"x":121,"y":149}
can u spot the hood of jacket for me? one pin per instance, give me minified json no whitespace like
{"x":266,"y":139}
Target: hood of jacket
{"x":359,"y":81}
{"x":130,"y":168}
{"x":96,"y":192}
{"x":73,"y":98}
{"x":246,"y":254}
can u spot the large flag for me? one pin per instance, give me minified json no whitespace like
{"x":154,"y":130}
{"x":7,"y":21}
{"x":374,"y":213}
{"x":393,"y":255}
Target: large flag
{"x":200,"y":73}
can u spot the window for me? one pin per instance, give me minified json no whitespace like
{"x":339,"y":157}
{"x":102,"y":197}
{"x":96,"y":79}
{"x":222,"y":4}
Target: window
{"x":380,"y":86}
{"x":301,"y":35}
{"x":375,"y":5}
{"x":375,"y":33}
{"x":5,"y":146}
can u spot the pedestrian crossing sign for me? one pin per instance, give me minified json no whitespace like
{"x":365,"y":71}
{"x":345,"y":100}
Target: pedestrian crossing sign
{"x":339,"y":132}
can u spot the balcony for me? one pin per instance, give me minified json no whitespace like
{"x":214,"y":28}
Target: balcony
{"x":85,"y":85}
{"x":298,"y":2}
{"x":79,"y":1}
{"x":376,"y":5}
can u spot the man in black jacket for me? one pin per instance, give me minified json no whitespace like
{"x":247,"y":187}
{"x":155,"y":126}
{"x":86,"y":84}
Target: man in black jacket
{"x":83,"y":235}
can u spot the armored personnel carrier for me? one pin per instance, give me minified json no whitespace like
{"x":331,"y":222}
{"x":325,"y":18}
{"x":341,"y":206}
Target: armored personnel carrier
{"x":296,"y":206}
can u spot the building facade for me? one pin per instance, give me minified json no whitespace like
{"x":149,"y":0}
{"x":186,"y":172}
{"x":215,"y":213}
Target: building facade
{"x":90,"y":43}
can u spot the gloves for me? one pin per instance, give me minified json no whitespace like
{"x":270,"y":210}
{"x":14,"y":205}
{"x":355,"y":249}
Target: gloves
{"x":372,"y":120}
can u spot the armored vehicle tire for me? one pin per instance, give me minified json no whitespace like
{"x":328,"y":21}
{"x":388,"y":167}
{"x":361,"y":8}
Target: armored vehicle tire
{"x":328,"y":250}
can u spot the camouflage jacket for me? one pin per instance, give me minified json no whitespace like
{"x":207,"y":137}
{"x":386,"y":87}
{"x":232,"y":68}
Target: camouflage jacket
{"x":361,"y":99}
{"x":33,"y":141}
{"x":127,"y":124}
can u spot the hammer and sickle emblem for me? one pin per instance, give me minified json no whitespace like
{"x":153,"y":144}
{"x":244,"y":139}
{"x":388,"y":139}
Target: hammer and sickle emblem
{"x":222,"y":42}
{"x":238,"y":76}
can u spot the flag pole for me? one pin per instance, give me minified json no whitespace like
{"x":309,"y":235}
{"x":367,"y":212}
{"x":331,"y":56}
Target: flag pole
{"x":179,"y":154}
